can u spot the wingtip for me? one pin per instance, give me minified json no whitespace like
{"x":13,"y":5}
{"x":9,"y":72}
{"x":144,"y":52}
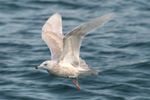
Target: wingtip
{"x":95,"y":72}
{"x":56,"y":14}
{"x":110,"y":15}
{"x":106,"y":17}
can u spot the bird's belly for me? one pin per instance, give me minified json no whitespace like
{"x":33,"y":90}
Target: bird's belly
{"x":66,"y":72}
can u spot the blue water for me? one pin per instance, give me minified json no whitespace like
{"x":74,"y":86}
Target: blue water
{"x":120,"y":50}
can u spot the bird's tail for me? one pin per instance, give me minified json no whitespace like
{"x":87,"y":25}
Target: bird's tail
{"x":95,"y":72}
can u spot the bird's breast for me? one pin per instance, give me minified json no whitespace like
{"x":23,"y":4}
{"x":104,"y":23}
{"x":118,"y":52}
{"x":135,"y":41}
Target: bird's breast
{"x":65,"y":70}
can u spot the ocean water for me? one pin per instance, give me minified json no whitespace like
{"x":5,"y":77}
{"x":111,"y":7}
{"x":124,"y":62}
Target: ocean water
{"x":120,"y":50}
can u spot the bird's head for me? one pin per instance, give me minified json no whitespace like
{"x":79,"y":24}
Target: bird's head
{"x":46,"y":65}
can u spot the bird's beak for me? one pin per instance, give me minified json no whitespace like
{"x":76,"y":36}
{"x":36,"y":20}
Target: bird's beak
{"x":37,"y":67}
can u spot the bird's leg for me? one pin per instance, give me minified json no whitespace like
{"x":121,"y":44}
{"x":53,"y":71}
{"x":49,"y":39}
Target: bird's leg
{"x":76,"y":83}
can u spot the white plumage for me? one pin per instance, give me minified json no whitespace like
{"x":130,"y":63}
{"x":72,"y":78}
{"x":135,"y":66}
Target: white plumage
{"x":65,"y":61}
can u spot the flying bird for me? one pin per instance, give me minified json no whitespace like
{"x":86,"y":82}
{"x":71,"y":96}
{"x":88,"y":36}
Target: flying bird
{"x":65,"y":60}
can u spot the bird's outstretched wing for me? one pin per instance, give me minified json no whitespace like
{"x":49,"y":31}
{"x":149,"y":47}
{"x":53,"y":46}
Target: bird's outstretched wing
{"x":52,"y":35}
{"x":72,"y":41}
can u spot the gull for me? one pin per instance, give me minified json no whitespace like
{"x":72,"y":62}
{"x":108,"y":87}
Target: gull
{"x":65,"y":60}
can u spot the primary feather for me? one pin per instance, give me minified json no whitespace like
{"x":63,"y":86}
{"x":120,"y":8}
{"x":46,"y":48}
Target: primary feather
{"x":52,"y":35}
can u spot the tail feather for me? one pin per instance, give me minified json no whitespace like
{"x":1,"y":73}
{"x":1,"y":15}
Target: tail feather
{"x":95,"y":72}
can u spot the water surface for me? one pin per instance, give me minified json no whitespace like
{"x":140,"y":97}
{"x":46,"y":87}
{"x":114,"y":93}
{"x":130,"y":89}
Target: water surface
{"x":120,"y":50}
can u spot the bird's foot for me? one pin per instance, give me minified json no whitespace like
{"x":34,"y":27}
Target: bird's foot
{"x":79,"y":88}
{"x":77,"y":84}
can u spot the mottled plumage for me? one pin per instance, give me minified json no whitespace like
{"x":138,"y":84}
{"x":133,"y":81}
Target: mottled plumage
{"x":65,"y":61}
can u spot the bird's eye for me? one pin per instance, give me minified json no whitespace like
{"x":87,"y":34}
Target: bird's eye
{"x":45,"y":64}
